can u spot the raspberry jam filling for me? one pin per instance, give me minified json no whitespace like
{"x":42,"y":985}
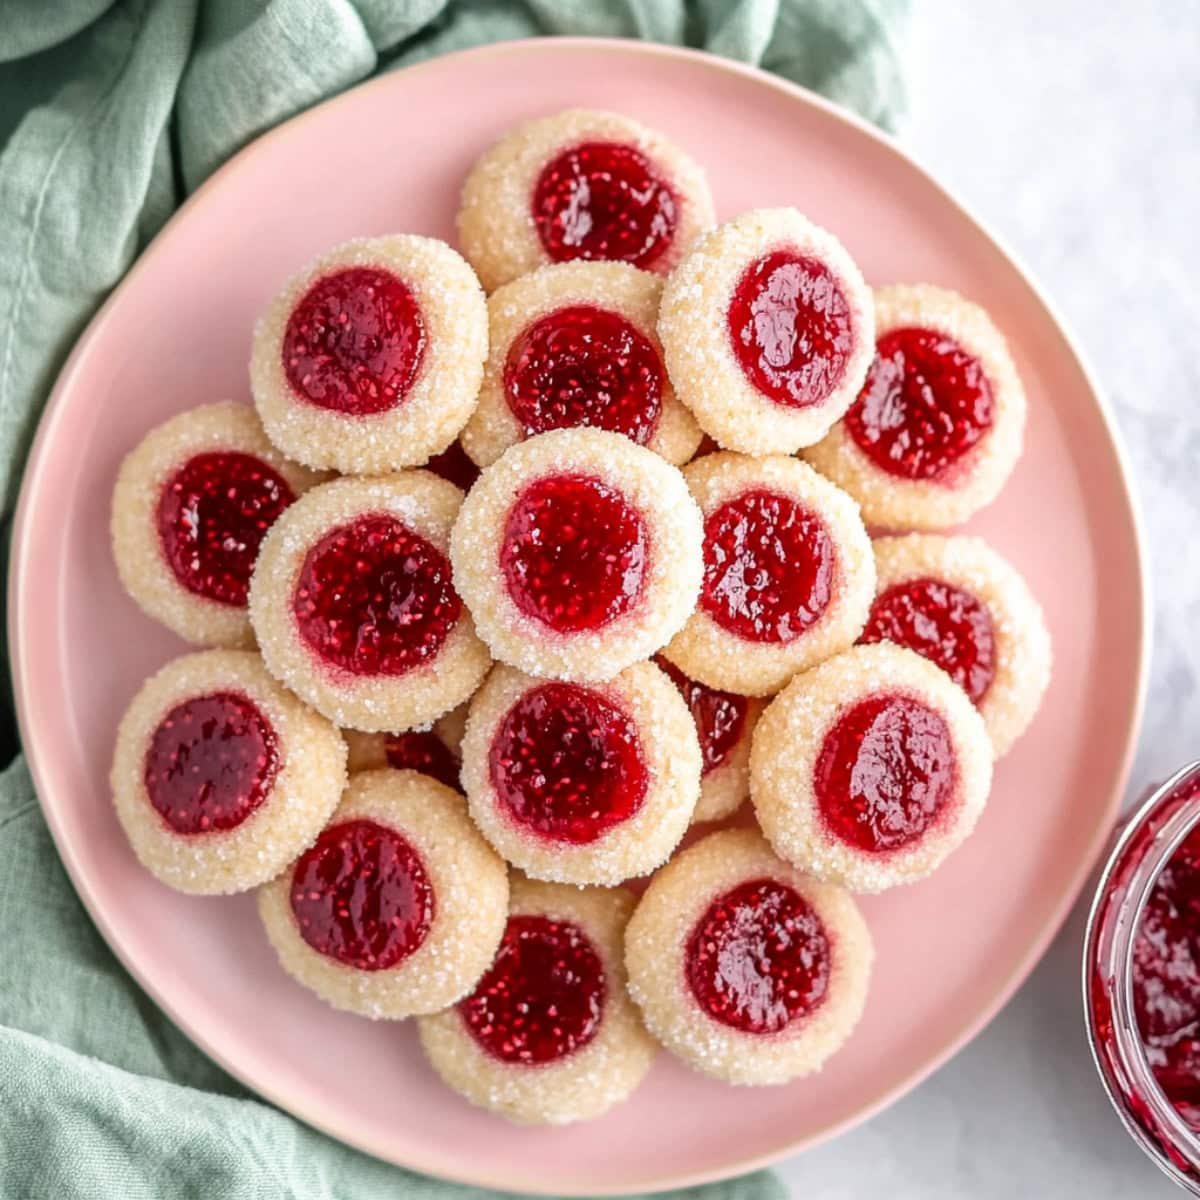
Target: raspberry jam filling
{"x":354,"y":342}
{"x":362,"y":896}
{"x":584,"y":365}
{"x":454,"y":465}
{"x":543,"y":996}
{"x":211,"y":762}
{"x":769,"y":567}
{"x":567,"y":764}
{"x":422,"y":750}
{"x":575,"y":553}
{"x":604,"y":200}
{"x":945,"y":624}
{"x":720,"y":717}
{"x":758,"y":958}
{"x":212,"y":515}
{"x":374,"y":598}
{"x":885,"y":773}
{"x":925,"y":404}
{"x":791,"y":328}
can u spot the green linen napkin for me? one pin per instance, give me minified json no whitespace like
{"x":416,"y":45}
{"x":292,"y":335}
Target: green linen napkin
{"x":110,"y":112}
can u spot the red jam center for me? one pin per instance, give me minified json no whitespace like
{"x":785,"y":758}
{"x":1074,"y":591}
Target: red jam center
{"x":885,"y":772}
{"x":543,"y":996}
{"x":355,"y":341}
{"x":791,"y":328}
{"x":375,"y":598}
{"x":925,"y":404}
{"x":575,"y":553}
{"x":768,"y":567}
{"x":604,"y":200}
{"x":1166,"y":975}
{"x":362,"y":896}
{"x":758,"y":958}
{"x":422,"y":750}
{"x":454,"y":465}
{"x":567,"y":763}
{"x":211,"y":762}
{"x":720,"y":717}
{"x":942,"y":623}
{"x":212,"y":515}
{"x":584,"y":366}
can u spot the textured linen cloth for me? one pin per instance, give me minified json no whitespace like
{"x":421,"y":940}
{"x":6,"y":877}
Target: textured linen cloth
{"x":111,"y":111}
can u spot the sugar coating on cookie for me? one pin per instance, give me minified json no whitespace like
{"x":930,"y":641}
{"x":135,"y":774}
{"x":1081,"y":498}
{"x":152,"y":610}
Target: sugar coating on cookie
{"x":370,"y":359}
{"x":788,"y":573}
{"x":958,"y":603}
{"x":574,"y":344}
{"x":549,"y":1036}
{"x":434,"y":751}
{"x":397,"y":908}
{"x":190,"y":507}
{"x":220,"y":776}
{"x":584,"y":784}
{"x":580,"y":184}
{"x":768,"y":330}
{"x":868,"y":770}
{"x":744,"y":967}
{"x":940,"y":421}
{"x":354,"y":607}
{"x":578,"y":554}
{"x":724,"y":726}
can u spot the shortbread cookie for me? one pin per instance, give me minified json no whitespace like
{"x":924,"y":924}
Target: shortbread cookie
{"x":580,"y":185}
{"x":582,"y":783}
{"x":354,"y":607}
{"x":870,"y":769}
{"x":221,"y":777}
{"x":788,"y":573}
{"x":956,"y":602}
{"x":939,"y":423}
{"x":435,"y":751}
{"x":190,"y":508}
{"x":742,"y":966}
{"x":370,"y":359}
{"x":575,"y":345}
{"x":399,"y":906}
{"x":768,"y":331}
{"x":549,"y":1035}
{"x":578,"y":554}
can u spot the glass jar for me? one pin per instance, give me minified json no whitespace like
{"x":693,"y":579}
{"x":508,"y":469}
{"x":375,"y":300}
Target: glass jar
{"x":1137,"y":963}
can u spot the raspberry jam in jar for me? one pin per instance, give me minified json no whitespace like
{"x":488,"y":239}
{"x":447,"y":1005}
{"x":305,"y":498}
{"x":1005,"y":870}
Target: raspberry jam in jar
{"x":1141,"y":977}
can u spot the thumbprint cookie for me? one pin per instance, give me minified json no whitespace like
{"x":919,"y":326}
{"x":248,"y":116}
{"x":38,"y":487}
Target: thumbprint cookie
{"x":549,"y":1035}
{"x":575,"y":344}
{"x":956,"y":602}
{"x":220,"y":776}
{"x":582,"y":783}
{"x":436,"y":751}
{"x":870,"y":769}
{"x":768,"y":331}
{"x":370,"y":359}
{"x":580,"y":185}
{"x":190,"y":509}
{"x":744,"y":967}
{"x":938,"y":425}
{"x":578,"y":553}
{"x":354,"y":607}
{"x":788,"y":573}
{"x":398,"y":906}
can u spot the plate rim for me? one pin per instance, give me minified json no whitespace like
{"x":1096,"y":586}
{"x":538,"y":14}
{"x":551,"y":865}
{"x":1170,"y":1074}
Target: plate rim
{"x":37,"y":757}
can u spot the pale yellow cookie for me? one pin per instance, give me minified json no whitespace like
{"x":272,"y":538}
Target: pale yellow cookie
{"x":580,"y":184}
{"x":768,"y":331}
{"x":870,"y":769}
{"x":370,"y":359}
{"x":549,"y":1036}
{"x":220,"y":776}
{"x":744,"y":967}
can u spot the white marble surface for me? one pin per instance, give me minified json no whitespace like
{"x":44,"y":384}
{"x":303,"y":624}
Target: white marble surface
{"x":1073,"y":128}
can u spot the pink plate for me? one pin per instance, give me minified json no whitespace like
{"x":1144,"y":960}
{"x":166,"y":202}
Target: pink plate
{"x":390,"y":156}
